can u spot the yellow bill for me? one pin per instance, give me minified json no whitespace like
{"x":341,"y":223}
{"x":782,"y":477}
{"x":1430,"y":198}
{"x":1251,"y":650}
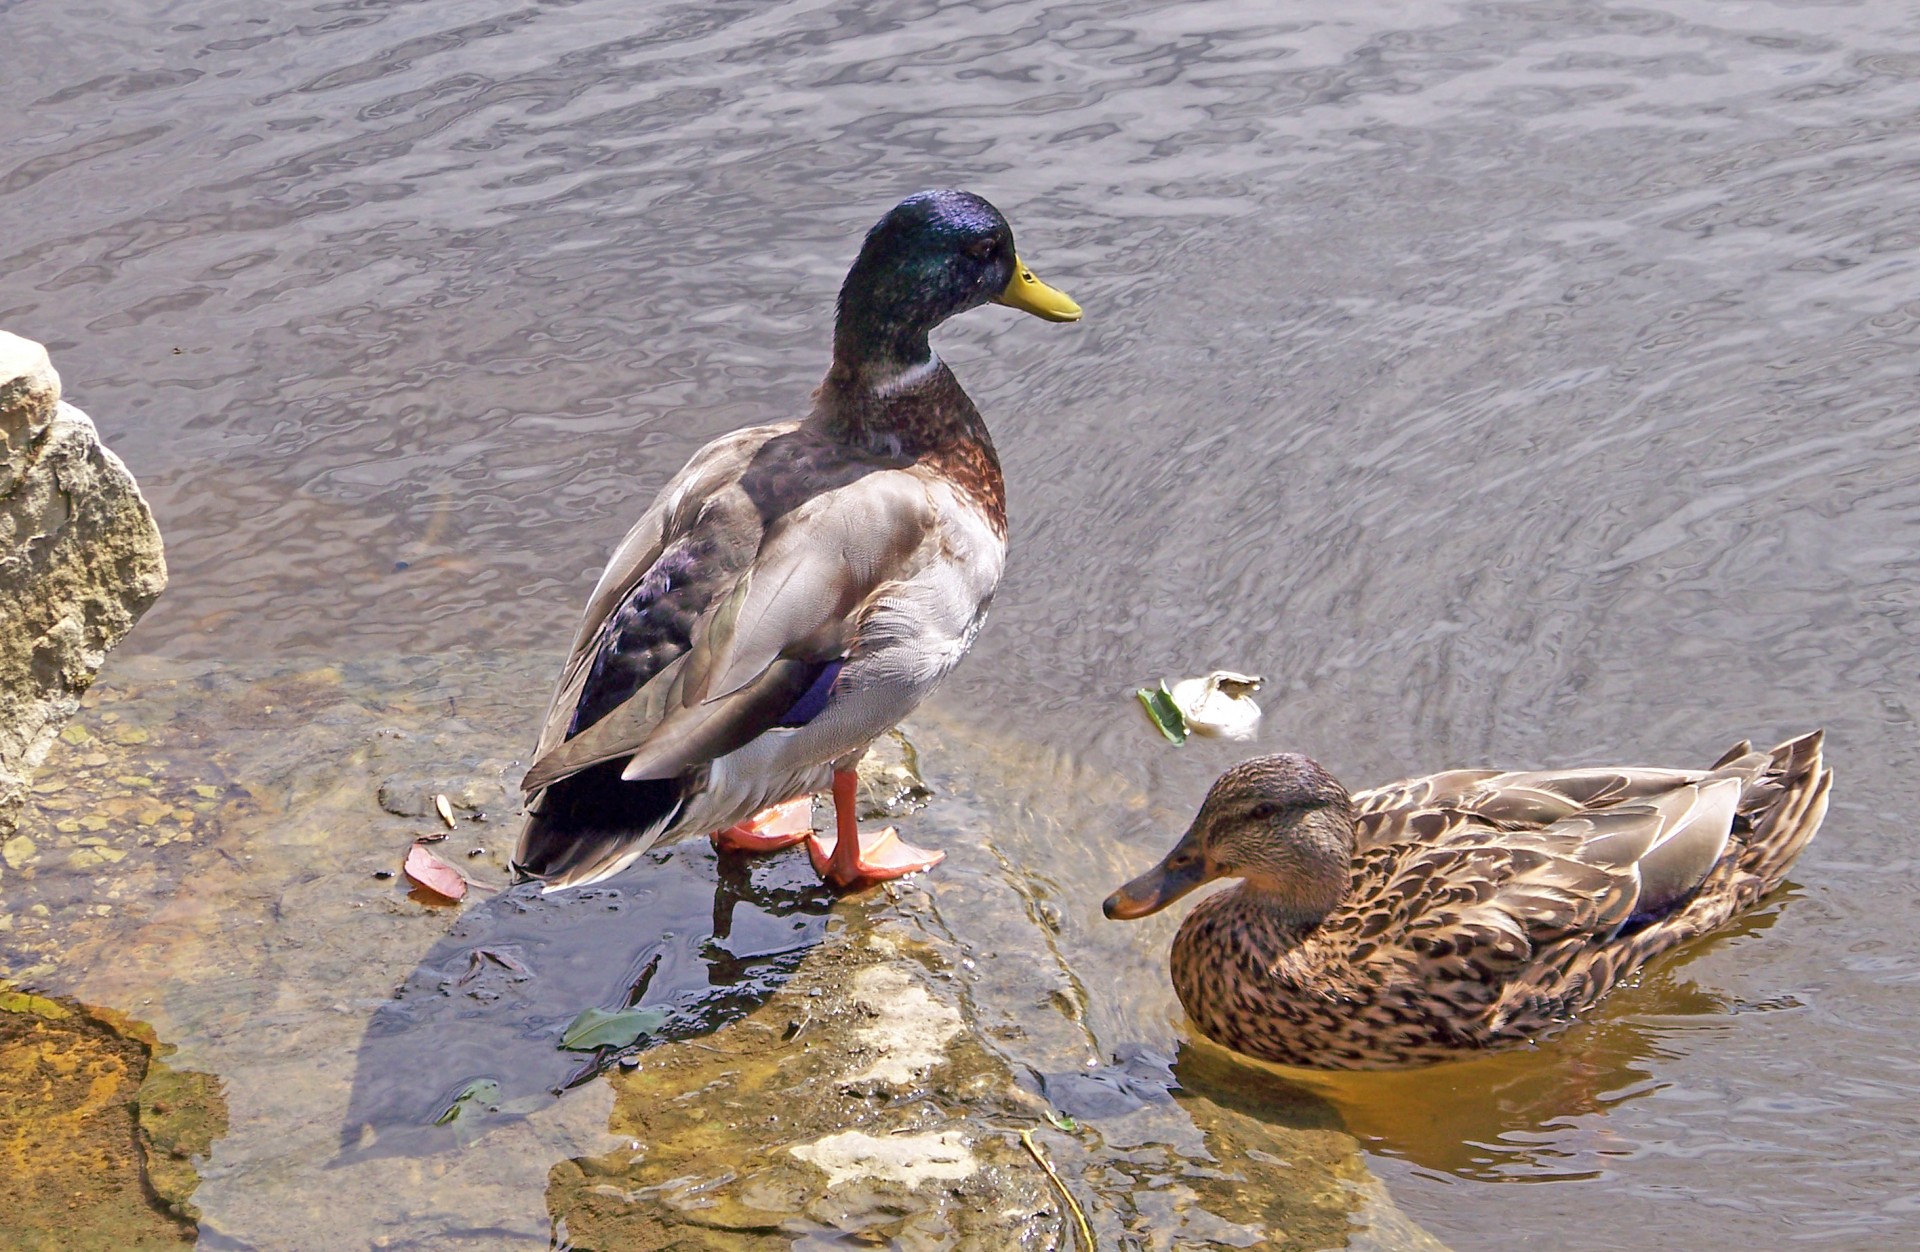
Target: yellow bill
{"x":1030,"y":295}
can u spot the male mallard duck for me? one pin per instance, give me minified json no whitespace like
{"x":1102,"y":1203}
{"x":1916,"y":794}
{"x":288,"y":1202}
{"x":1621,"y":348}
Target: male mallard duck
{"x":1463,"y":911}
{"x":797,"y":589}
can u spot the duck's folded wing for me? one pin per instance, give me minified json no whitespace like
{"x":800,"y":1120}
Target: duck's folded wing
{"x":1472,"y":890}
{"x":714,"y":468}
{"x":1512,"y":800}
{"x":766,"y":638}
{"x":1479,"y":903}
{"x":1666,"y":845}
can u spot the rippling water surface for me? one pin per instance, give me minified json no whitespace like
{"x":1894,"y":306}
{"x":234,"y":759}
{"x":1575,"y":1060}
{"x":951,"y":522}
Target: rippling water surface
{"x":1513,"y":383}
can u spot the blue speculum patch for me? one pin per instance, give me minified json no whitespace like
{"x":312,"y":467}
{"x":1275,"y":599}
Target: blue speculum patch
{"x":814,"y":698}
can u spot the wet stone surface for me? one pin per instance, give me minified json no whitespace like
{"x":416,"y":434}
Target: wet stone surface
{"x":860,"y":1103}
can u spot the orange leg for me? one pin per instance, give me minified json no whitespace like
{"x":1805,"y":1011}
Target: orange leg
{"x":849,"y":860}
{"x":769,"y":830}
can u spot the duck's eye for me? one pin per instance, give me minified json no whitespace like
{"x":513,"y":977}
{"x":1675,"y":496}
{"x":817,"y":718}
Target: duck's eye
{"x":981,"y":249}
{"x":1263,"y":811}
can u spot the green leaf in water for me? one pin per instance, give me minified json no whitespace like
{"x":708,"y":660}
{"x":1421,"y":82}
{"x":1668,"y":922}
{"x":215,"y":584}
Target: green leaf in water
{"x":1163,"y":713}
{"x":598,"y":1028}
{"x":480,"y":1094}
{"x":1061,"y":1121}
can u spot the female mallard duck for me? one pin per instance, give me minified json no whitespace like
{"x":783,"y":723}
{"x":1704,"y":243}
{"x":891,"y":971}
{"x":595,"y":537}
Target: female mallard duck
{"x":797,"y":589}
{"x":1463,"y":911}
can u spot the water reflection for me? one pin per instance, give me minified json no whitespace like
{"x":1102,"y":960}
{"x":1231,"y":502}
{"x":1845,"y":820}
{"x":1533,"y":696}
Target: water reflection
{"x":472,"y":1037}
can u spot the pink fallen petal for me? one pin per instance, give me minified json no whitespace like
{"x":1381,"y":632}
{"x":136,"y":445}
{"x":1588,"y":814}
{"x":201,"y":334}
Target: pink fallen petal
{"x":429,"y":871}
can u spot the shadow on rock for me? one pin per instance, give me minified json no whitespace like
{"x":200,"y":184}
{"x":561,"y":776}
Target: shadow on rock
{"x":688,"y":941}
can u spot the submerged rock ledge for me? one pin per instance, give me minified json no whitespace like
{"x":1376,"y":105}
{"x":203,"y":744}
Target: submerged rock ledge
{"x":832,"y":1070}
{"x":80,"y":561}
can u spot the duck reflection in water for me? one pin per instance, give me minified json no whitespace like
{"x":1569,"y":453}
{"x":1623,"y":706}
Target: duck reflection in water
{"x":472,"y":1038}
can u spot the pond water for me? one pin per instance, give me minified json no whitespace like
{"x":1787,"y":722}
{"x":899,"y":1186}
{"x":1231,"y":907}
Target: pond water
{"x":1511,"y":383}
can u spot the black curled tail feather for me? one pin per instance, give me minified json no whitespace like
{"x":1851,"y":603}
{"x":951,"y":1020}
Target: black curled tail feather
{"x":581,"y":825}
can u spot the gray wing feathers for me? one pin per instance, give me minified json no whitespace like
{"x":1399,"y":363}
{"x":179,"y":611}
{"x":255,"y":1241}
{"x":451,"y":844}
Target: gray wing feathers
{"x":691,"y":735}
{"x":614,"y":735}
{"x":799,"y":600}
{"x":713,"y":468}
{"x":1696,"y":823}
{"x":815,"y":570}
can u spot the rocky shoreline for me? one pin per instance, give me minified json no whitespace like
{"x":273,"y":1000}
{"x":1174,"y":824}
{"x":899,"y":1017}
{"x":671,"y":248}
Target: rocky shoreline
{"x":80,"y":560}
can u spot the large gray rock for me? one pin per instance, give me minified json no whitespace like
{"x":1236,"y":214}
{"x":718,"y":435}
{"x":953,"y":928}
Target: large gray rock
{"x":80,"y":561}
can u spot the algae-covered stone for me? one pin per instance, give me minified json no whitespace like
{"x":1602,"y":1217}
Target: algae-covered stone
{"x":783,"y":1133}
{"x":181,"y":1113}
{"x":94,"y":1127}
{"x":80,"y":561}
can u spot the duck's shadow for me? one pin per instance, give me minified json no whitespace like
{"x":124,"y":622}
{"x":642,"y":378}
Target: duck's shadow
{"x":472,"y":1038}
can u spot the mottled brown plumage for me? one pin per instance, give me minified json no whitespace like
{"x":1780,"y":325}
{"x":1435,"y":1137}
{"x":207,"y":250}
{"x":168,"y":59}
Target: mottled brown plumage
{"x":1464,"y":911}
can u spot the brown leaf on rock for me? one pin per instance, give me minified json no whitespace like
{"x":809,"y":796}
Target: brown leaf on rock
{"x":429,"y":871}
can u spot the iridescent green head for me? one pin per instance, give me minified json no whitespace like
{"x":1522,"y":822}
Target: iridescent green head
{"x":933,"y":255}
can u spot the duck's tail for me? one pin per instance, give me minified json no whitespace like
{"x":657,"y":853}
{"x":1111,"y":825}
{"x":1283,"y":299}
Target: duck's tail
{"x":1783,"y":798}
{"x":591,"y":825}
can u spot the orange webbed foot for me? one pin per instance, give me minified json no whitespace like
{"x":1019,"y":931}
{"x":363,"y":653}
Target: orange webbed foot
{"x":876,"y":857}
{"x":769,"y":830}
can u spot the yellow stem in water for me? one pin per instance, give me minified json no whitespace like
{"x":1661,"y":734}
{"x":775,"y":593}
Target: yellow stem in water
{"x":1033,"y":1149}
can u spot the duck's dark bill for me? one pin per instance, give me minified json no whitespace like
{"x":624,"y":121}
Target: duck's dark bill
{"x":1030,"y":295}
{"x":1183,"y":870}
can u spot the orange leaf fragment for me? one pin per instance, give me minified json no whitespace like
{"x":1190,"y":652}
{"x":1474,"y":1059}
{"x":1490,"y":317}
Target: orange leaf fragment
{"x":436,"y":875}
